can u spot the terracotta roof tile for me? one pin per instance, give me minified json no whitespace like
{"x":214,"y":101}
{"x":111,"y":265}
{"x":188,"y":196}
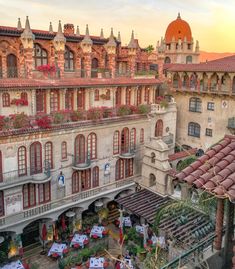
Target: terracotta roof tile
{"x":216,"y":173}
{"x":182,"y":154}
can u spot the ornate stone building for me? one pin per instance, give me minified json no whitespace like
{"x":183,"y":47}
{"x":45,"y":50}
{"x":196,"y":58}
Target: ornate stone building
{"x":76,"y":112}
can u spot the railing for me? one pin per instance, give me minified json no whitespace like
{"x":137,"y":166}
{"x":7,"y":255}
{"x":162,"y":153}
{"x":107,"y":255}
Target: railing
{"x":168,"y":139}
{"x":65,"y":202}
{"x":80,"y":164}
{"x":189,"y":256}
{"x":17,"y":176}
{"x":127,"y":153}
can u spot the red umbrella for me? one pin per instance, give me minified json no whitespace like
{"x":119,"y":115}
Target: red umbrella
{"x":44,"y":232}
{"x":63,"y":223}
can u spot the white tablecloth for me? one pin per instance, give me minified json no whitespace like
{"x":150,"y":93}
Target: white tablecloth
{"x":127,"y":262}
{"x":57,"y":248}
{"x":97,"y":230}
{"x":13,"y":265}
{"x":126,"y":221}
{"x":160,"y":241}
{"x":79,"y":239}
{"x":96,"y":263}
{"x":139,"y":229}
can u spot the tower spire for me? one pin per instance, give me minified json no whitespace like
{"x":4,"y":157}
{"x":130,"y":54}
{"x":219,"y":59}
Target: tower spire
{"x":50,"y":28}
{"x":178,"y":17}
{"x":77,"y":31}
{"x":101,"y":33}
{"x":19,"y":27}
{"x":119,"y":37}
{"x":132,"y":44}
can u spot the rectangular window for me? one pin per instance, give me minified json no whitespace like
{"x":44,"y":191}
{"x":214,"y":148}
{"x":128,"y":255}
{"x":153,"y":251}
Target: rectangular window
{"x":208,"y":132}
{"x":44,"y":192}
{"x":40,"y":101}
{"x":211,"y":106}
{"x":54,"y":101}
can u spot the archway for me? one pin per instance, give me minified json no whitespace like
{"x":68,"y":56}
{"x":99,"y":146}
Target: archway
{"x":152,"y":180}
{"x":159,"y":128}
{"x":167,"y":60}
{"x":12,"y":71}
{"x":94,"y":67}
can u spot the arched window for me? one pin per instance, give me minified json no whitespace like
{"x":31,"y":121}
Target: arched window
{"x":193,"y":82}
{"x":189,"y":59}
{"x":91,"y":146}
{"x":133,"y":139}
{"x":118,"y":96}
{"x":24,"y":96}
{"x":153,"y":156}
{"x":128,"y":96}
{"x":22,"y":161}
{"x":12,"y":71}
{"x":108,"y":94}
{"x":194,"y":129}
{"x":68,"y":59}
{"x":146,"y":95}
{"x":44,"y":192}
{"x":142,"y":135}
{"x":128,"y":167}
{"x":48,"y":155}
{"x":159,"y":128}
{"x":1,"y":204}
{"x":152,"y":180}
{"x":69,"y":100}
{"x":54,"y":100}
{"x":119,"y":169}
{"x":97,"y":95}
{"x":167,"y":60}
{"x":185,"y":83}
{"x":95,"y":177}
{"x":176,"y":81}
{"x":40,"y":101}
{"x":64,"y":150}
{"x":40,"y":56}
{"x":6,"y":99}
{"x":125,"y":140}
{"x":1,"y":170}
{"x":75,"y":182}
{"x":86,"y":179}
{"x":94,"y":67}
{"x":29,"y":195}
{"x":79,"y":149}
{"x":81,"y":98}
{"x":116,"y":142}
{"x":195,"y":104}
{"x":139,"y":92}
{"x":35,"y":158}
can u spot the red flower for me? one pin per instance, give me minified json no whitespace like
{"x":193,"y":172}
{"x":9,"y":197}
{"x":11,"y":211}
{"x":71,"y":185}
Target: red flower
{"x":44,"y":122}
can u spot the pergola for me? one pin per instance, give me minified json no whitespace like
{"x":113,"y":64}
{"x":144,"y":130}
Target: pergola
{"x":214,"y":173}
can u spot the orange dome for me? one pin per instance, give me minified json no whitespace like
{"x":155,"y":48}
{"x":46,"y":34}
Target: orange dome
{"x":179,"y":29}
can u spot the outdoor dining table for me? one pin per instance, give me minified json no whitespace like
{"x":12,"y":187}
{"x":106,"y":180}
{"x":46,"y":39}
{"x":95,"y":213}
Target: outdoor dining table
{"x":139,"y":229}
{"x":96,"y":263}
{"x":57,"y":248}
{"x":79,"y":239}
{"x":98,"y":231}
{"x":128,"y":262}
{"x":13,"y":265}
{"x":126,"y":221}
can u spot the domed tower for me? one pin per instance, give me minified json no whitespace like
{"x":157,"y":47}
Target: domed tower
{"x":178,"y":45}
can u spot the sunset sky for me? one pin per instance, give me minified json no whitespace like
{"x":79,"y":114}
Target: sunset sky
{"x":212,"y":21}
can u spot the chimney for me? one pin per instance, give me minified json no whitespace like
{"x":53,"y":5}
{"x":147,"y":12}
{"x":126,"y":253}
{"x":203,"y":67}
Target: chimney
{"x":69,"y":29}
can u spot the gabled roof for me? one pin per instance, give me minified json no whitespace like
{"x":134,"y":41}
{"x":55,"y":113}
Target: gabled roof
{"x":226,"y":64}
{"x":215,"y":170}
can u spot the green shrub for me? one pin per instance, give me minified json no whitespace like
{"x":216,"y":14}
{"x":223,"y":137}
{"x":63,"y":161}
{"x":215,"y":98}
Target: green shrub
{"x":186,"y":162}
{"x":143,"y":109}
{"x":124,"y":110}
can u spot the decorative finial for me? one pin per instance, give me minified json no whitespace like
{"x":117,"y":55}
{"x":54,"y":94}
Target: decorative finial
{"x":87,"y":30}
{"x":60,"y":28}
{"x":101,"y":33}
{"x":178,"y":17}
{"x":50,"y":28}
{"x":77,"y":31}
{"x":27,"y":25}
{"x":119,"y":37}
{"x":87,"y":40}
{"x":19,"y":27}
{"x":132,"y":43}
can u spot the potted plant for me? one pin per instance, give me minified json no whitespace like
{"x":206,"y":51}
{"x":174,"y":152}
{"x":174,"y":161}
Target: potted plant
{"x":94,"y":113}
{"x":77,"y":115}
{"x":123,"y":110}
{"x":20,"y":120}
{"x":143,"y":109}
{"x":58,"y":118}
{"x":43,"y":122}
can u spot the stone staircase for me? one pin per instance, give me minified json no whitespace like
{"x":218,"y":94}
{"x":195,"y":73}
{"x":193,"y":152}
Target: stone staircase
{"x":114,"y":214}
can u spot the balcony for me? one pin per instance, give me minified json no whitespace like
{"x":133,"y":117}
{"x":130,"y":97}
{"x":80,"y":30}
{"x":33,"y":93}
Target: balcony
{"x":65,"y":203}
{"x":168,"y":139}
{"x":13,"y":73}
{"x":12,"y":178}
{"x":127,"y":153}
{"x":80,"y":165}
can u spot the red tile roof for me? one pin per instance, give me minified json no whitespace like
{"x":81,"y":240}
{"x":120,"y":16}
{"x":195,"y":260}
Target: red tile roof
{"x":73,"y":82}
{"x":182,"y":154}
{"x":215,"y":170}
{"x":226,"y":64}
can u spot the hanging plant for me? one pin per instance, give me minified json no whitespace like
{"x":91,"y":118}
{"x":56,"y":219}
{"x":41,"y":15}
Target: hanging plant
{"x":19,"y":102}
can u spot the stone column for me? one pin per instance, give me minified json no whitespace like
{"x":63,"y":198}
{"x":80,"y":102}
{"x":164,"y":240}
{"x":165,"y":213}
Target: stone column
{"x":28,"y":54}
{"x":132,"y":62}
{"x":4,"y":65}
{"x":60,"y":62}
{"x":112,"y":64}
{"x":62,"y":98}
{"x":87,"y":64}
{"x":219,"y":224}
{"x":33,"y":102}
{"x":75,"y":99}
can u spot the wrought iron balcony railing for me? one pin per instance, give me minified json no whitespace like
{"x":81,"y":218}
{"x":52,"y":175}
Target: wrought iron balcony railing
{"x":24,"y":175}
